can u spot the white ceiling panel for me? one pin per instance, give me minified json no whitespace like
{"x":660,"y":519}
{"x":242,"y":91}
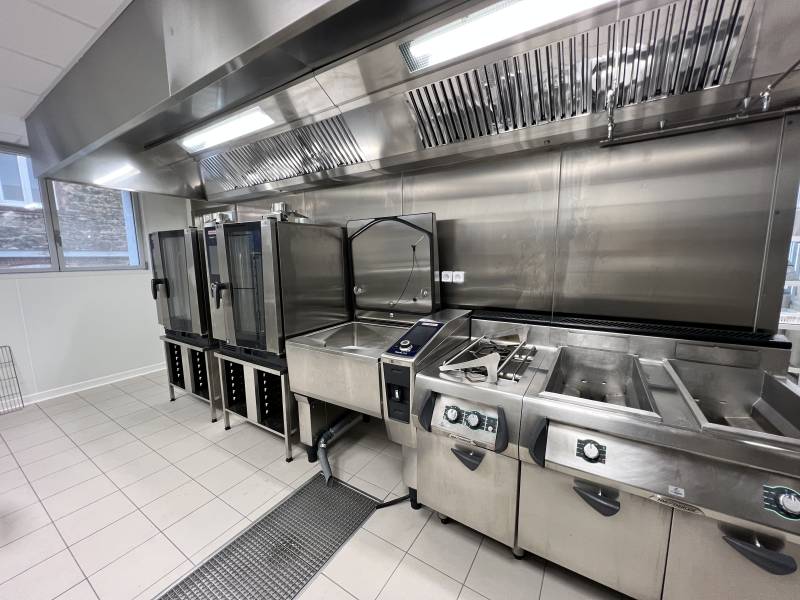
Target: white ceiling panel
{"x":37,"y":32}
{"x":10,"y":138}
{"x":23,"y":73}
{"x":39,"y":41}
{"x":12,"y":125}
{"x":92,"y":12}
{"x":16,"y":102}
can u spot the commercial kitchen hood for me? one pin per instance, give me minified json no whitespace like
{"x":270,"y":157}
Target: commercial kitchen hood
{"x":347,"y":101}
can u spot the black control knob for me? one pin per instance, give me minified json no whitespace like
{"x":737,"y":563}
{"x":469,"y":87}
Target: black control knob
{"x":473,"y":420}
{"x":790,"y":504}
{"x":452,"y":414}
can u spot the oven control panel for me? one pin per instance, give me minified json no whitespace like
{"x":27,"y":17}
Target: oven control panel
{"x":465,"y":421}
{"x":415,"y":338}
{"x":783,"y":501}
{"x":591,"y":451}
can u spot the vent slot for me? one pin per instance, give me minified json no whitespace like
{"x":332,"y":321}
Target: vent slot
{"x":309,"y":149}
{"x":679,"y":48}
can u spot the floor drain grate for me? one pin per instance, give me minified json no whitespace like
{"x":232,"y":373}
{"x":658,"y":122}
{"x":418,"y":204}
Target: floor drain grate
{"x":279,"y":554}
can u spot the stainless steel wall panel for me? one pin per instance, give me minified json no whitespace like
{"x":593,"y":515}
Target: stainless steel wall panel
{"x":671,"y":229}
{"x":496,"y":222}
{"x":337,"y":205}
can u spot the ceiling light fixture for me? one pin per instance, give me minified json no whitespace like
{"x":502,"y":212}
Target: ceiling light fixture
{"x":123,"y":172}
{"x":490,"y":25}
{"x":230,"y":128}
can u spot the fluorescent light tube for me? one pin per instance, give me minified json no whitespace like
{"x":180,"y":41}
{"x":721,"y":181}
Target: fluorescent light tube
{"x":493,"y":24}
{"x":117,"y":174}
{"x":227,"y":129}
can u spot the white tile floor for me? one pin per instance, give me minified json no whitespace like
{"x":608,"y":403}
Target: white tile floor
{"x":116,"y":492}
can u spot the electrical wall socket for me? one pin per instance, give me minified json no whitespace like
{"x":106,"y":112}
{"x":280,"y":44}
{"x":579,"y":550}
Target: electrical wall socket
{"x":446,"y":276}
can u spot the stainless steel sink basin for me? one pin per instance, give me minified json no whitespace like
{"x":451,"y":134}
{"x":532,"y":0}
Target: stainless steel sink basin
{"x":601,"y":377}
{"x":340,"y":364}
{"x":358,"y":338}
{"x":740,"y":400}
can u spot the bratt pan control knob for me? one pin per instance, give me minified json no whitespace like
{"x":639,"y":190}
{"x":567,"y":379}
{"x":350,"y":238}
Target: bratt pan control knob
{"x":452,"y":414}
{"x":473,"y":420}
{"x":790,"y":503}
{"x":405,"y":344}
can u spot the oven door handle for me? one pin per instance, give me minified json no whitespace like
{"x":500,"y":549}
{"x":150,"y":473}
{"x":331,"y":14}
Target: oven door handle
{"x":469,"y":458}
{"x":771,"y":561}
{"x":154,"y":283}
{"x":501,"y":437}
{"x":537,"y":445}
{"x":606,"y":506}
{"x":216,"y":290}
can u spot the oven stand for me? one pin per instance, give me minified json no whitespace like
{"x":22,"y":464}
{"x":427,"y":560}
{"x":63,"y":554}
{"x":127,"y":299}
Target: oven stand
{"x":260,"y":395}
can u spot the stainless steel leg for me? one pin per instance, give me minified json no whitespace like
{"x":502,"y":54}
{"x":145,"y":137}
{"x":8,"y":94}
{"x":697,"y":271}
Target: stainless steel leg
{"x":212,"y":394}
{"x":171,"y":392}
{"x":225,"y":415}
{"x":288,"y":412}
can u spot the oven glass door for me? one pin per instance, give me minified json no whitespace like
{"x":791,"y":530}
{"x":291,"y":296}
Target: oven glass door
{"x":246,"y":283}
{"x":176,"y":273}
{"x":158,"y":283}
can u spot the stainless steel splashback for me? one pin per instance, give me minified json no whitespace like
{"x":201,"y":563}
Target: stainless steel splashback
{"x":690,"y":228}
{"x":671,"y":229}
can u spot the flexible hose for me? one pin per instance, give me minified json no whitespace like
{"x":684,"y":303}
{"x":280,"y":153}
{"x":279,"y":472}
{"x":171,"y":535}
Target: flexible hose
{"x":331,"y":435}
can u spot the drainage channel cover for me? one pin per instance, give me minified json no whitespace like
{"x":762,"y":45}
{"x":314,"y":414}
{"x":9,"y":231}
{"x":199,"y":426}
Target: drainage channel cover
{"x":280,"y":553}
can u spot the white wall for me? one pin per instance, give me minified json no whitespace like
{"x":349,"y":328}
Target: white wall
{"x":70,"y":331}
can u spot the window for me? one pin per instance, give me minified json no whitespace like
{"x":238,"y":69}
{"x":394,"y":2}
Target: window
{"x":24,"y":239}
{"x":64,"y":226}
{"x":97,"y":226}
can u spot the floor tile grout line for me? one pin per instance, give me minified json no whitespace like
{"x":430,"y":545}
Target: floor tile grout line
{"x":63,"y":541}
{"x":137,"y":508}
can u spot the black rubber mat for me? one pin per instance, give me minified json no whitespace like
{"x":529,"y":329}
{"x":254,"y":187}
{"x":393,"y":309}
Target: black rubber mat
{"x":279,"y":554}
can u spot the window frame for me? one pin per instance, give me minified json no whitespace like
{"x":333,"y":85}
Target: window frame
{"x":48,"y":224}
{"x":56,"y":229}
{"x":53,"y":231}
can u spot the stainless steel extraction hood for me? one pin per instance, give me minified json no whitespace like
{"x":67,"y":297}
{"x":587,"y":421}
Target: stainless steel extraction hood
{"x":344,"y":112}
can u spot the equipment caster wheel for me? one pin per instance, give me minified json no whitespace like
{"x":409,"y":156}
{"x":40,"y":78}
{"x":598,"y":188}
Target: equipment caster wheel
{"x":444,"y":520}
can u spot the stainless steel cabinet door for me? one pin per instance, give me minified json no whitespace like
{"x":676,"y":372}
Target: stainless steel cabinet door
{"x":484,"y":498}
{"x":703,"y":565}
{"x":626,"y":551}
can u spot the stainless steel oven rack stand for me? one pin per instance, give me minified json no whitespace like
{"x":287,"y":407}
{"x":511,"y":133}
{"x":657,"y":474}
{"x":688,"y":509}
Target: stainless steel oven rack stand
{"x":10,"y":394}
{"x":245,"y":386}
{"x":193,"y":369}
